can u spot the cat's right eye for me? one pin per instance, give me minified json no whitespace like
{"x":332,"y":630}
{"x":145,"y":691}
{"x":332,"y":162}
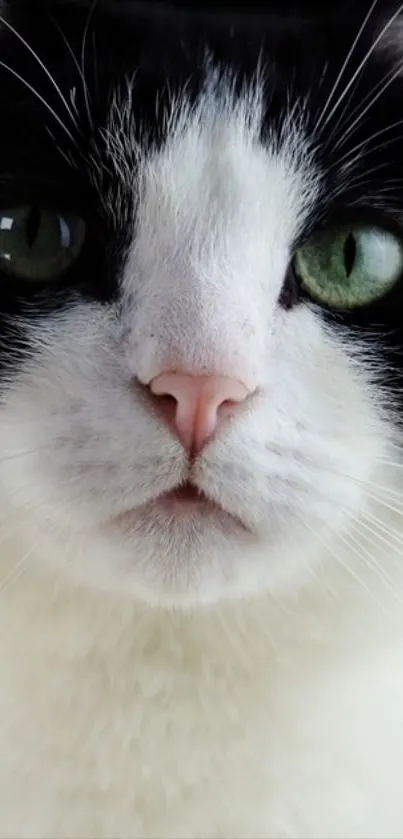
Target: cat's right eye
{"x":39,"y":244}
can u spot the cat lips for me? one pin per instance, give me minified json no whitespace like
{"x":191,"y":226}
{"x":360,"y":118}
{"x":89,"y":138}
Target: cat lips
{"x":188,"y":501}
{"x":183,"y":503}
{"x":186,"y":492}
{"x":187,"y":497}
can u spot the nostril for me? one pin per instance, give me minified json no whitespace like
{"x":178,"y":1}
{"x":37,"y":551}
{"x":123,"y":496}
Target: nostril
{"x":165,"y":406}
{"x":228,"y":404}
{"x":227,"y":410}
{"x":168,"y":406}
{"x":193,"y":406}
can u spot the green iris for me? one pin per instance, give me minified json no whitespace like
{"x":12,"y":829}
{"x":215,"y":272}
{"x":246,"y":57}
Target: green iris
{"x":39,"y":244}
{"x":350,"y":267}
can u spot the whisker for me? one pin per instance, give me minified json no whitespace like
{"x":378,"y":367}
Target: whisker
{"x":356,"y":548}
{"x":13,"y":577}
{"x":382,"y":527}
{"x":344,"y":66}
{"x":346,"y":134}
{"x":95,"y":63}
{"x":362,"y":63}
{"x":360,"y":525}
{"x":83,"y":49}
{"x":378,"y":570}
{"x":387,"y":462}
{"x":66,"y":154}
{"x":350,"y":571}
{"x":389,"y":491}
{"x":378,"y":500}
{"x":25,"y":43}
{"x":41,"y":99}
{"x":393,"y":493}
{"x":72,"y":54}
{"x":367,"y":141}
{"x":357,"y":110}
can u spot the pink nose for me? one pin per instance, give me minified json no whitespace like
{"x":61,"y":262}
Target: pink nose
{"x":201,"y":402}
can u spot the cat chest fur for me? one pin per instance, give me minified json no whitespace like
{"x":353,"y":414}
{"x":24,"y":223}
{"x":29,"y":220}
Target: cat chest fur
{"x":125,"y":721}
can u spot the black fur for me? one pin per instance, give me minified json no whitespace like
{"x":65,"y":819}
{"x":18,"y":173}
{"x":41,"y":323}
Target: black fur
{"x":301,"y":47}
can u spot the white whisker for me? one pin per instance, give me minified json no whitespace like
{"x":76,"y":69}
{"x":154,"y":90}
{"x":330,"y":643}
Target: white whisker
{"x":391,"y":492}
{"x":349,"y":155}
{"x":66,"y":154}
{"x":94,"y":53}
{"x":378,"y":500}
{"x":362,"y":64}
{"x":366,"y":529}
{"x":387,"y":462}
{"x":359,"y":109}
{"x":374,"y":565}
{"x":73,"y":56}
{"x":83,"y":49}
{"x":357,"y":549}
{"x":346,"y":134}
{"x":387,"y":529}
{"x":15,"y":573}
{"x":345,"y":65}
{"x":12,"y":29}
{"x":350,"y":571}
{"x":41,"y":99}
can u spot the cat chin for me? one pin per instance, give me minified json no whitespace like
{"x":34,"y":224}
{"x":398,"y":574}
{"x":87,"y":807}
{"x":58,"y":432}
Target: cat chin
{"x":186,"y":561}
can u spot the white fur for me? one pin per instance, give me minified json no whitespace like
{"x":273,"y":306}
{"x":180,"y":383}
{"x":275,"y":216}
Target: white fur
{"x":388,"y":41}
{"x":268,"y":701}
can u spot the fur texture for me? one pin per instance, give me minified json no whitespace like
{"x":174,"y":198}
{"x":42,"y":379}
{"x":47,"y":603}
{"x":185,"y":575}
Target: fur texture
{"x":239,"y":672}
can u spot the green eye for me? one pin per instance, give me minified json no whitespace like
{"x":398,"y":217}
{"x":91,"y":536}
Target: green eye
{"x":350,"y":267}
{"x":39,"y":244}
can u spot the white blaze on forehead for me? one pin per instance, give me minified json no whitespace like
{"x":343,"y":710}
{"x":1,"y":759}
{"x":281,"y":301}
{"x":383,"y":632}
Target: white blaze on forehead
{"x":218,"y":211}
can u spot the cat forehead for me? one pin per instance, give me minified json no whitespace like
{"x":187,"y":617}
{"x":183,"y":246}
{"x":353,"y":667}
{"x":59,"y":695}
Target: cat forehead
{"x":214,"y":175}
{"x":165,"y":87}
{"x":166,"y":45}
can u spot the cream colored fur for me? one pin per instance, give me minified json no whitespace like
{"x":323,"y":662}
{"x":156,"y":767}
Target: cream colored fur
{"x":194,"y":678}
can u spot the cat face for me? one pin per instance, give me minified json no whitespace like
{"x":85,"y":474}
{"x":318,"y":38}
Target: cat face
{"x":215,"y":195}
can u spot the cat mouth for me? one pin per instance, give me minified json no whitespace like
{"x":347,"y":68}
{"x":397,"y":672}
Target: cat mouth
{"x":185,"y":502}
{"x":189,"y":502}
{"x":187,"y":492}
{"x":187,"y":496}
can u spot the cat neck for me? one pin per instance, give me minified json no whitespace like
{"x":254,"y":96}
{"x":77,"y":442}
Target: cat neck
{"x":44,"y":609}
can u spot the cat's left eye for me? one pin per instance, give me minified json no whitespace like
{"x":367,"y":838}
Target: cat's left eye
{"x":38,"y":244}
{"x":350,"y":267}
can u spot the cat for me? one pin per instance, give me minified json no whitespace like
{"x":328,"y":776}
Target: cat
{"x":201,"y":401}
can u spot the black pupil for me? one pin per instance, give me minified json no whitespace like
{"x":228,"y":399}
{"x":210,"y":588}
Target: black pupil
{"x":32,"y":225}
{"x":350,"y":251}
